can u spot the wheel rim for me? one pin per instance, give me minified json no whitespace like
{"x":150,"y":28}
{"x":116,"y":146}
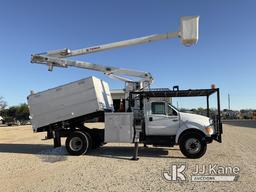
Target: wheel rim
{"x":193,"y":145}
{"x":76,"y":144}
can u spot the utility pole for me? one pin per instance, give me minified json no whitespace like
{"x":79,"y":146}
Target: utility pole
{"x":228,"y":102}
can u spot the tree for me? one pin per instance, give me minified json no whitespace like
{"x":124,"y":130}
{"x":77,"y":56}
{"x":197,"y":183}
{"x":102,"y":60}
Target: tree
{"x":3,"y":103}
{"x":22,"y":112}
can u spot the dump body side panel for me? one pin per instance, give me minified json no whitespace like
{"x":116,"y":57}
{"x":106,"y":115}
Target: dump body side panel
{"x":67,"y":101}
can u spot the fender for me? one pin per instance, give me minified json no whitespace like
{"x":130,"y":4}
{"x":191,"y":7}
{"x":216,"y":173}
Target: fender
{"x":186,"y":126}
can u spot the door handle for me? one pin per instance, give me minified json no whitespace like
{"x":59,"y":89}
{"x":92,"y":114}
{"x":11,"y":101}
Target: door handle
{"x":175,"y":120}
{"x":150,"y":119}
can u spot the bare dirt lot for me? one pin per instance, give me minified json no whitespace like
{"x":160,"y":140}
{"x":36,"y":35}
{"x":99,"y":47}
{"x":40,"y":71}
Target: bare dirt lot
{"x":29,"y":164}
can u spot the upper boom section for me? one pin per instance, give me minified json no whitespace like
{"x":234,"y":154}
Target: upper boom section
{"x":188,"y":33}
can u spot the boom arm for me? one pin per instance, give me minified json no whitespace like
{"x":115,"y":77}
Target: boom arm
{"x":113,"y":72}
{"x":188,"y":33}
{"x":141,"y":40}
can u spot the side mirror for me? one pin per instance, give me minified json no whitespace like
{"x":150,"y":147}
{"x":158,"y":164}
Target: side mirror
{"x":189,"y":30}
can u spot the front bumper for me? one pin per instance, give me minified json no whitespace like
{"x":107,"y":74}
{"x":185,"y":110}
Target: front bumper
{"x":217,"y":127}
{"x":208,"y":140}
{"x":215,"y":136}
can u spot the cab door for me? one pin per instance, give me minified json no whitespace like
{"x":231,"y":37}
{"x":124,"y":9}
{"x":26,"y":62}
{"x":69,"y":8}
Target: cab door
{"x":161,"y":120}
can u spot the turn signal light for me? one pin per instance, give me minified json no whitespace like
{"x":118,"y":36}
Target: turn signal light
{"x":209,"y":130}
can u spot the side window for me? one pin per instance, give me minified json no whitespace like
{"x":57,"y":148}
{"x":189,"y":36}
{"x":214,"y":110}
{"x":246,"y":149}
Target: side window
{"x":158,"y":108}
{"x":171,"y":112}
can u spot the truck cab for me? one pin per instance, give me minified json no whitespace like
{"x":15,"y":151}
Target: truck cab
{"x":165,"y":125}
{"x":162,"y":118}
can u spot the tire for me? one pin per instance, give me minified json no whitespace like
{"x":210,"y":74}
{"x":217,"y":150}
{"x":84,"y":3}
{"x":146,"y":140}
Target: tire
{"x":78,"y":143}
{"x":193,"y":145}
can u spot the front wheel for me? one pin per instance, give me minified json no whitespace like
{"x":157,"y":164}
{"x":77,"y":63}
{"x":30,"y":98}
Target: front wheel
{"x":193,"y":145}
{"x":78,"y":143}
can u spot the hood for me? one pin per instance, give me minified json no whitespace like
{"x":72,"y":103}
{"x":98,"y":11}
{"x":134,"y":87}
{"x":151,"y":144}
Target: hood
{"x":198,"y":119}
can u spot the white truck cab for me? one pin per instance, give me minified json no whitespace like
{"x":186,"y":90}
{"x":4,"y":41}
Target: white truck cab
{"x":164,"y":119}
{"x":164,"y":125}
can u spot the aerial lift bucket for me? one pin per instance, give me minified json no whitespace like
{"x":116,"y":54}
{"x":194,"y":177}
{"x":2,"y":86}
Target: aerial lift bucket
{"x":189,"y":30}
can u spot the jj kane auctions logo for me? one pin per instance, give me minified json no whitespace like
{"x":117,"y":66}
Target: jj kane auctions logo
{"x":177,"y":173}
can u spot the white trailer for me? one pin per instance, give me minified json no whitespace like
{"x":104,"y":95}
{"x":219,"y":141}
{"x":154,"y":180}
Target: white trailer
{"x":148,"y":117}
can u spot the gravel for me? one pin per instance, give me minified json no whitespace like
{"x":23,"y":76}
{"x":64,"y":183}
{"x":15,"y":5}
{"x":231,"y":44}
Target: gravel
{"x":28,"y":163}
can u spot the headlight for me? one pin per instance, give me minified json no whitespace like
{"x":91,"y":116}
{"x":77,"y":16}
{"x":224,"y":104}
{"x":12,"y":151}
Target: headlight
{"x":209,"y":130}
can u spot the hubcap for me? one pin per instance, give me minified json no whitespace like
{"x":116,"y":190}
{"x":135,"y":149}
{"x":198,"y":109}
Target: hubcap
{"x":193,"y":145}
{"x":76,"y":144}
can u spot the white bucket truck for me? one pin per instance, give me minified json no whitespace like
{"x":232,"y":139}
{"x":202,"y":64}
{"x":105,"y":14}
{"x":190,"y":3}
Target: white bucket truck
{"x":148,"y":116}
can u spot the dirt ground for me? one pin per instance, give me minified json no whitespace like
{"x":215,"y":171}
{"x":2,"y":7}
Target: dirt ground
{"x":27,"y":163}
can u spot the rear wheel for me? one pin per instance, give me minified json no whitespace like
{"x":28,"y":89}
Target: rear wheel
{"x":193,"y":145}
{"x":78,"y":143}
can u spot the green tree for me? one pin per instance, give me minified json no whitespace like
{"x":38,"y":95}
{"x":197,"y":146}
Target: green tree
{"x":3,"y":104}
{"x":22,"y":112}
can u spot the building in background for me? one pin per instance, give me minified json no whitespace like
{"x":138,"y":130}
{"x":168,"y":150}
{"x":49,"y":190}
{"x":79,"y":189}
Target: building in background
{"x":230,"y":114}
{"x":1,"y":120}
{"x":118,"y":95}
{"x":247,"y":114}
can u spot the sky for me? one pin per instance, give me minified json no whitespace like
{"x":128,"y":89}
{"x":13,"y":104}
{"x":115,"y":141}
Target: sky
{"x":225,"y":54}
